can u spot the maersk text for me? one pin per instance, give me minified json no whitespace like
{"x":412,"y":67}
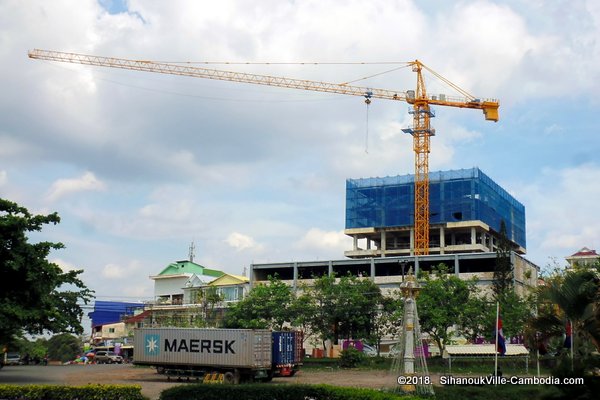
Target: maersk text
{"x":200,"y":346}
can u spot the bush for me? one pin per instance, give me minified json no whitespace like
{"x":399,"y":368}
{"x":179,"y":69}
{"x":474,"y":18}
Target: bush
{"x":279,"y":392}
{"x":351,"y":357}
{"x":54,"y":392}
{"x":500,"y":392}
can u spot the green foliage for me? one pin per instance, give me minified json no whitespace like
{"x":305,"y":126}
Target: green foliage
{"x":64,"y":347}
{"x":54,"y":392}
{"x":344,"y":307}
{"x":570,"y":296}
{"x":351,"y":357}
{"x":37,"y":348}
{"x":266,"y":306}
{"x":491,"y":392}
{"x":35,"y":294}
{"x":443,"y":302}
{"x":516,"y":312}
{"x":279,"y":392}
{"x":503,"y":270}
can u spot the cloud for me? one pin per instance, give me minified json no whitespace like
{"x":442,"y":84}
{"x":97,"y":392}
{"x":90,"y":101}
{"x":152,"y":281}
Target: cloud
{"x":241,"y":242}
{"x":65,"y":187}
{"x":112,"y":271}
{"x":64,"y":265}
{"x":561,"y":209}
{"x":330,"y":241}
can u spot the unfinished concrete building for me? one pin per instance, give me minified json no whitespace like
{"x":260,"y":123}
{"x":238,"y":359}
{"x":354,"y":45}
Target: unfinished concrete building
{"x":466,"y":210}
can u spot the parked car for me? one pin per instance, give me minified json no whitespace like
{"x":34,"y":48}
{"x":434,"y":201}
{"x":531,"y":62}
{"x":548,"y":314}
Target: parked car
{"x":369,"y":350}
{"x":13,"y":359}
{"x":108,"y":357}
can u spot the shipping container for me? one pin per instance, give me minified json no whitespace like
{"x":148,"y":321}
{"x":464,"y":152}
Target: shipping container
{"x":239,"y":354}
{"x":287,"y":352}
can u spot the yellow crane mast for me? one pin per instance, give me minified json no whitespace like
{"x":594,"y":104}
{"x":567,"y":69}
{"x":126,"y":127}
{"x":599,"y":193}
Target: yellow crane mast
{"x":420,"y":101}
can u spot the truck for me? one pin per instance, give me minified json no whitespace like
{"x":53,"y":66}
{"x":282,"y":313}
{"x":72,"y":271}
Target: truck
{"x":227,"y":355}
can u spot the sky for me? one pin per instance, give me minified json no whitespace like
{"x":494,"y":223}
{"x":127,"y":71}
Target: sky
{"x":140,"y":165}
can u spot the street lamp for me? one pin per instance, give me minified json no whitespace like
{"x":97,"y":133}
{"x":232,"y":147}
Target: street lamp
{"x":403,"y":264}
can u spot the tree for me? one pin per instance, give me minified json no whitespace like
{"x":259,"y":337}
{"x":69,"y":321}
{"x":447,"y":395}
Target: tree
{"x":571,"y":296}
{"x":442,"y":304}
{"x":344,"y":307}
{"x":503,"y":270}
{"x":388,"y":320}
{"x":267,"y":306}
{"x":209,"y":298}
{"x":64,"y":347}
{"x":35,"y":294}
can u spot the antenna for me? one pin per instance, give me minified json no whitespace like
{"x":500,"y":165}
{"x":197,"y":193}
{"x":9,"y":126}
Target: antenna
{"x":192,"y":248}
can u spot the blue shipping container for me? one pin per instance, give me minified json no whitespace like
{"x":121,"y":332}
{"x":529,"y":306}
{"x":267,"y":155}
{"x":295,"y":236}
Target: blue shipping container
{"x":285,"y":349}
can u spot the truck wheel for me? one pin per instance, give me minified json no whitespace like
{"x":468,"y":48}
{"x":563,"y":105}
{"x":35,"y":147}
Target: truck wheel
{"x":228,"y":378}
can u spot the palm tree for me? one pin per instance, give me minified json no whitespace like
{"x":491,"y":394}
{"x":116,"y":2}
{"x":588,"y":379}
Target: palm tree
{"x":573,"y":296}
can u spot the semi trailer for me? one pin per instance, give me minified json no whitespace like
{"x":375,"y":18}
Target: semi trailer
{"x":232,"y":355}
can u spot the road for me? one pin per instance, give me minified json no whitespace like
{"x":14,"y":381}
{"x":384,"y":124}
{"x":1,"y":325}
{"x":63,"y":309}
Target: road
{"x":153,"y":384}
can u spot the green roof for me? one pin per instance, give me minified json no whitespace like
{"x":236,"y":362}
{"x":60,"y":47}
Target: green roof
{"x":188,"y":267}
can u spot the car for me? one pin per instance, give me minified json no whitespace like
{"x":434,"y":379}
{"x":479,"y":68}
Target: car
{"x":13,"y":359}
{"x":369,"y":350}
{"x":108,"y":357}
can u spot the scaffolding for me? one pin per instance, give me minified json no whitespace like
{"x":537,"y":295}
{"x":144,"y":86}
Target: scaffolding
{"x":457,"y":195}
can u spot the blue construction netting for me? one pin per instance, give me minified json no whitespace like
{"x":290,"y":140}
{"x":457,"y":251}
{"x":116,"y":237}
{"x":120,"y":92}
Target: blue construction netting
{"x":108,"y":312}
{"x":458,"y":195}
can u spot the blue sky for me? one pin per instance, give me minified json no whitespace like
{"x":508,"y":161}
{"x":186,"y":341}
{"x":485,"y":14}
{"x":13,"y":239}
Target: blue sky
{"x":138,"y":165}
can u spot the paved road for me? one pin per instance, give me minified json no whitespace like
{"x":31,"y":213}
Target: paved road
{"x":75,"y":375}
{"x":25,"y":374}
{"x":153,"y":384}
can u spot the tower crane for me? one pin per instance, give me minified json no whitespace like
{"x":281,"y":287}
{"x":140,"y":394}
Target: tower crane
{"x":420,"y":101}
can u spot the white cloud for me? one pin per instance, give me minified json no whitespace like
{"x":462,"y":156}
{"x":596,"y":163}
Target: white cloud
{"x":65,"y":187}
{"x":64,"y":265}
{"x":318,"y":240}
{"x":192,"y":159}
{"x":562,"y":212}
{"x":112,"y":271}
{"x":241,"y":242}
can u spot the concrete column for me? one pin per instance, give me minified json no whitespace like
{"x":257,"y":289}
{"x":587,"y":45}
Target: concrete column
{"x":372,"y":269}
{"x":330,"y":269}
{"x":355,"y":240}
{"x":412,"y":241}
{"x":416,"y":265}
{"x":473,"y":236}
{"x":295,"y":284}
{"x":442,"y":241}
{"x":409,"y":337}
{"x":368,"y":244}
{"x":456,"y":265}
{"x":383,"y":243}
{"x":251,"y":277}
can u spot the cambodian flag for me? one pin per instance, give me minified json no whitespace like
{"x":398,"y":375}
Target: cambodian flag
{"x":569,"y":335}
{"x":501,"y":343}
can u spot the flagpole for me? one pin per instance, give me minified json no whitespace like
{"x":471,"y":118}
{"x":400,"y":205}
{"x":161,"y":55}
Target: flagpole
{"x":496,"y":346}
{"x":572,"y":343}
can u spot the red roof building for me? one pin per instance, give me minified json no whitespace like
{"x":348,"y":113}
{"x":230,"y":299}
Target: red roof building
{"x":584,"y":256}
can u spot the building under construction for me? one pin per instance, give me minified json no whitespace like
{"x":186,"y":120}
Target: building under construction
{"x":466,"y":211}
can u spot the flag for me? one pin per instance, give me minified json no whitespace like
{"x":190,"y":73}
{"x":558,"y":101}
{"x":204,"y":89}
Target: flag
{"x":569,"y":335}
{"x":501,"y":343}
